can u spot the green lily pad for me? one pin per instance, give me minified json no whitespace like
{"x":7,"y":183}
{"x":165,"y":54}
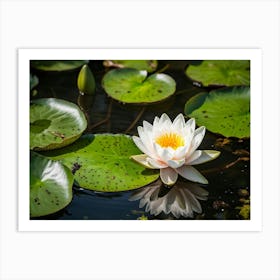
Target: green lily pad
{"x":101,"y":162}
{"x":225,"y":111}
{"x":54,"y":123}
{"x":149,"y":65}
{"x":50,"y":186}
{"x":57,"y":65}
{"x":129,"y":85}
{"x":221,"y":72}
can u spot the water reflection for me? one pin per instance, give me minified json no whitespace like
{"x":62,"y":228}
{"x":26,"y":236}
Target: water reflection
{"x":182,"y":199}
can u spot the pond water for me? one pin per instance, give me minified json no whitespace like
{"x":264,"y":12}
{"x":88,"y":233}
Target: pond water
{"x":228,"y":175}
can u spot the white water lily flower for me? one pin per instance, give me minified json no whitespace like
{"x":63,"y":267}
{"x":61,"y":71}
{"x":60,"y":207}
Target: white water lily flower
{"x":172,"y":148}
{"x":180,"y":200}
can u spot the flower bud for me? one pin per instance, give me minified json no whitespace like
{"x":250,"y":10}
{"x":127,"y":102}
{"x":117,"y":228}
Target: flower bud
{"x":86,"y":81}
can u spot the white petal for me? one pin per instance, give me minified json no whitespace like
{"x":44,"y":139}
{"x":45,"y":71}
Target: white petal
{"x":206,"y":155}
{"x":138,"y":142}
{"x":164,"y":119}
{"x":190,"y":125}
{"x":156,"y":121}
{"x":143,"y":159}
{"x":163,"y":154}
{"x":195,"y":155}
{"x":147,"y":141}
{"x":180,"y":152}
{"x":146,"y":138}
{"x":197,"y":139}
{"x":188,"y":133}
{"x":168,"y":176}
{"x":175,"y":163}
{"x":148,"y":128}
{"x":179,"y":122}
{"x":191,"y":174}
{"x":156,"y":163}
{"x":200,"y":130}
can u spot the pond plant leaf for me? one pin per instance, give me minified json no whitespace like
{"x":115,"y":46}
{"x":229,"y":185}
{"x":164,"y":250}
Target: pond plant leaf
{"x":224,"y":111}
{"x":54,"y":123}
{"x":221,"y":72}
{"x":50,"y":185}
{"x":57,"y":65}
{"x":132,"y":86}
{"x":104,"y":163}
{"x":148,"y":65}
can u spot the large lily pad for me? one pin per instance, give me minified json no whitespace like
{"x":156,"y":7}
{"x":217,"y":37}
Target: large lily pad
{"x":54,"y":123}
{"x":133,"y":86}
{"x":57,"y":65}
{"x":101,"y":162}
{"x":50,"y":186}
{"x":149,"y":65}
{"x":225,"y":111}
{"x":221,"y":72}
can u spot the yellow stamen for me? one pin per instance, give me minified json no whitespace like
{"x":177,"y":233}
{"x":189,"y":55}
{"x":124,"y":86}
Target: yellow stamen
{"x":171,"y":140}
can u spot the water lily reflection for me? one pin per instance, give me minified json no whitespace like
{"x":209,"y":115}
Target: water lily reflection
{"x":180,"y":200}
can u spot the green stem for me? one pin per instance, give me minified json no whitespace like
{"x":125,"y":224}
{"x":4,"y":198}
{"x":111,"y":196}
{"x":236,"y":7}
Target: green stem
{"x":107,"y":118}
{"x":139,"y":115}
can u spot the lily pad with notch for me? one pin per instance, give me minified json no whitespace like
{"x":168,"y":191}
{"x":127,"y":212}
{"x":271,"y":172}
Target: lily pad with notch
{"x":102,"y":163}
{"x":133,"y":86}
{"x":224,"y":111}
{"x":57,"y":65}
{"x":149,"y":65}
{"x":54,"y":123}
{"x":220,"y":72}
{"x":50,"y":185}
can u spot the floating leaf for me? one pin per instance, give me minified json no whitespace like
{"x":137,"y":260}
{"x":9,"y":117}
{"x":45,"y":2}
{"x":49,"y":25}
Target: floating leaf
{"x":54,"y":123}
{"x":86,"y":81}
{"x":225,"y":111}
{"x":133,"y":86}
{"x":101,"y":162}
{"x":221,"y":72}
{"x":50,"y":186}
{"x":149,"y":65}
{"x":57,"y":65}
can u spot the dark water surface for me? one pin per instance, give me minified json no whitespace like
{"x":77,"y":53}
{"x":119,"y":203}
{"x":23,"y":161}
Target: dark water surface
{"x":228,"y":175}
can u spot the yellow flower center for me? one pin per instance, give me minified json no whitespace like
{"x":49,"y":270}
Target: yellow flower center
{"x":171,"y":140}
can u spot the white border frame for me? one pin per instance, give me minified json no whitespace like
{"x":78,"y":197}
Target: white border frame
{"x":254,"y":55}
